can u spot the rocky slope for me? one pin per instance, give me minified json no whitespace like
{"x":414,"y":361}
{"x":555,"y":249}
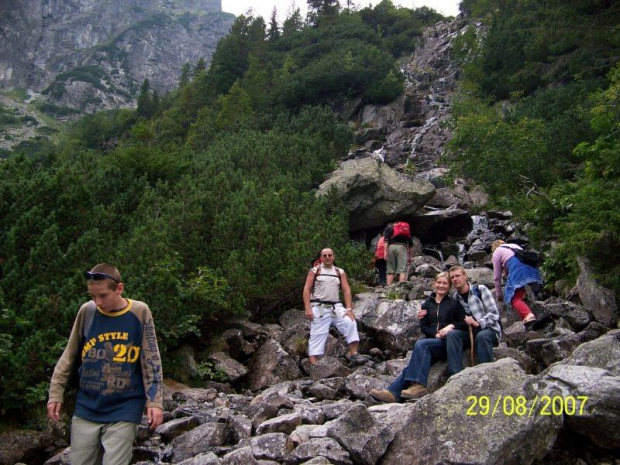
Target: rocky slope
{"x":551,"y":396}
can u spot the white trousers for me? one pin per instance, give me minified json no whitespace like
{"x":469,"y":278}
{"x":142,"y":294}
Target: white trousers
{"x":324,"y":317}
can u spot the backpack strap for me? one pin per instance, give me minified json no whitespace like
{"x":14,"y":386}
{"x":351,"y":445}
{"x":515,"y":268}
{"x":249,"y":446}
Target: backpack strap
{"x":89,"y":314}
{"x":476,"y":290}
{"x":318,"y":272}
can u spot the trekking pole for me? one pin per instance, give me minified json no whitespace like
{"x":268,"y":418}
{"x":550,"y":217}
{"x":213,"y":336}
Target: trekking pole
{"x":471,"y":346}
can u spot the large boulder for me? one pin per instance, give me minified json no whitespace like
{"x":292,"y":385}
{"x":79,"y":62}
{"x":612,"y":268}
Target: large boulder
{"x":232,"y":368}
{"x":393,"y":323}
{"x":361,"y":435}
{"x":320,"y":447}
{"x":199,"y":440}
{"x":453,"y":425}
{"x":600,"y":301}
{"x":585,"y":387}
{"x":374,"y":193}
{"x":271,"y":365}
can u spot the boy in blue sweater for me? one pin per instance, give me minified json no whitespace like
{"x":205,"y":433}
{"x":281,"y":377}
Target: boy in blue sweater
{"x":120,"y":372}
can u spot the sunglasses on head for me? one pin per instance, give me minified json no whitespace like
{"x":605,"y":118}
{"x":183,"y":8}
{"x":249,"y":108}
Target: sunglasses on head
{"x":90,"y":276}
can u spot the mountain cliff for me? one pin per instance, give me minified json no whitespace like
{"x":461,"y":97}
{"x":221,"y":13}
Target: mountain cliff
{"x":88,"y":55}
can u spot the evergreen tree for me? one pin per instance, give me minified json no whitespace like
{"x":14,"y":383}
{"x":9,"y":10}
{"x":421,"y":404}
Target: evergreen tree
{"x":319,"y":8}
{"x":235,"y":108}
{"x":185,"y":75}
{"x":274,"y":30}
{"x":145,"y":101}
{"x":200,"y":66}
{"x":293,"y":23}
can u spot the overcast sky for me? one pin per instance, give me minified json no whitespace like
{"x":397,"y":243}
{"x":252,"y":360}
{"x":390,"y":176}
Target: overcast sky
{"x":265,"y":7}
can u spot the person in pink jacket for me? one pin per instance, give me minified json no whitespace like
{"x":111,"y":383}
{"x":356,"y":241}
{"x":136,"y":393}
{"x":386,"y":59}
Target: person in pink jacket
{"x":518,"y":275}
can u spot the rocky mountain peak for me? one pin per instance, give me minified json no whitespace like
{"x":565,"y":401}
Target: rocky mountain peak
{"x":86,"y":55}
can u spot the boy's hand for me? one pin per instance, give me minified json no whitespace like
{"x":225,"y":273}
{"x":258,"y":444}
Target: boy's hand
{"x":53,"y":410}
{"x":471,"y":321}
{"x":155,"y":416}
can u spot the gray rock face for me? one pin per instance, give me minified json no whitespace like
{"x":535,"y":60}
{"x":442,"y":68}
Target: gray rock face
{"x":271,"y":446}
{"x":176,"y":427}
{"x":393,"y":322}
{"x":199,"y":440}
{"x":599,"y":300}
{"x":242,"y":456}
{"x":104,"y":50}
{"x":233,"y":369}
{"x":208,"y":458}
{"x":357,"y":431}
{"x":282,"y":424}
{"x":374,"y":193}
{"x":586,"y":388}
{"x":439,"y":430}
{"x":326,"y":448}
{"x":270,"y":365}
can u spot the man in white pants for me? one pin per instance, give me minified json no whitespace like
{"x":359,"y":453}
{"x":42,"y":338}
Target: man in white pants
{"x":324,"y":309}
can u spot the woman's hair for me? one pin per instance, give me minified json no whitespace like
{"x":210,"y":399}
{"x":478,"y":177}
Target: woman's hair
{"x":443,"y":274}
{"x":496,"y":244}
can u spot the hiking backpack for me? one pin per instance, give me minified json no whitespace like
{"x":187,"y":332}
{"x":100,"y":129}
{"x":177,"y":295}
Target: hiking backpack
{"x":528,"y":257}
{"x":74,"y":376}
{"x":401,"y":229}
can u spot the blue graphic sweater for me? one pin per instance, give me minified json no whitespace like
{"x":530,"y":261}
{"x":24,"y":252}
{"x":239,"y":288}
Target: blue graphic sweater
{"x":121,"y":365}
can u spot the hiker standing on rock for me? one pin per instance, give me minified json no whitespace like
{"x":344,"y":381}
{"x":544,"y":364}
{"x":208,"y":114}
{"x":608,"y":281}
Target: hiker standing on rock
{"x":440,"y":315}
{"x":518,"y":275}
{"x":398,"y":250}
{"x":323,"y":308}
{"x":114,"y":339}
{"x":379,"y":259}
{"x":482,"y":317}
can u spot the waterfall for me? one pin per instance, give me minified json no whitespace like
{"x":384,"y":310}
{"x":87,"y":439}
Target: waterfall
{"x":461,"y":252}
{"x":480,"y":223}
{"x":428,"y":124}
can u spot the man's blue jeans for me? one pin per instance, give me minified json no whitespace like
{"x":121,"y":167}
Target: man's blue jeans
{"x":456,"y":340}
{"x":425,"y":353}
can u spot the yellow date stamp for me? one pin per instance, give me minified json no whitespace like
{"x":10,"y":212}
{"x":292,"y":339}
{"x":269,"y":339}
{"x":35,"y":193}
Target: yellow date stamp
{"x":521,"y":406}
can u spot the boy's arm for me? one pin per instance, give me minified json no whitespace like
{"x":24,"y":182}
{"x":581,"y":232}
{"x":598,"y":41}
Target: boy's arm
{"x":64,"y":366}
{"x":491,"y":314}
{"x":152,"y":376}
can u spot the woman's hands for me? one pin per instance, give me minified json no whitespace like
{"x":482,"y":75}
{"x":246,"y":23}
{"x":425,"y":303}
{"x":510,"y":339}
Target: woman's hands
{"x":443,"y":332}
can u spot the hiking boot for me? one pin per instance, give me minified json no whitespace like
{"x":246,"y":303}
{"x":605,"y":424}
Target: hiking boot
{"x":529,"y":322}
{"x":357,"y":359}
{"x":414,"y":391}
{"x":383,"y":395}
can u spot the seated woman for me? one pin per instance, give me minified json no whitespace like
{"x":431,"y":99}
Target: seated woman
{"x":518,"y":275}
{"x":439,"y":315}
